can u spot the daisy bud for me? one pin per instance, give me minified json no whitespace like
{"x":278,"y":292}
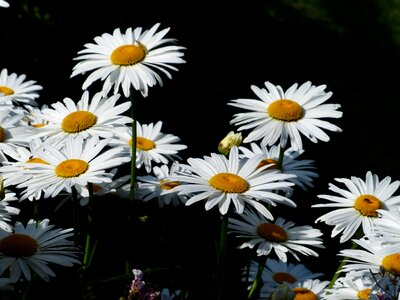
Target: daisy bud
{"x":2,"y":191}
{"x":232,"y":139}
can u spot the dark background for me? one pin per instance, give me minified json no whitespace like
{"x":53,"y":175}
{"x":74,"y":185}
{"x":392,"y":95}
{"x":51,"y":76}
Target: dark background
{"x":351,"y":46}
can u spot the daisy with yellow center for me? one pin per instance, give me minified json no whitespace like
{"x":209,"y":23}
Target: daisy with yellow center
{"x":277,"y":272}
{"x":282,"y":116}
{"x":221,"y":181}
{"x":34,"y":248}
{"x":358,"y":204}
{"x":130,"y":59}
{"x":159,"y":186}
{"x":376,"y":256}
{"x":303,"y":169}
{"x":15,"y":89}
{"x":352,"y":287}
{"x":78,"y":163}
{"x":151,"y":144}
{"x":283,"y":237}
{"x":13,"y":134}
{"x":97,"y":116}
{"x":310,"y":289}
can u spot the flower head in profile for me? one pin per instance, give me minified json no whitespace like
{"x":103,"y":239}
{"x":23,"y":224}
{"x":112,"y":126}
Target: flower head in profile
{"x":358,"y":203}
{"x":159,"y":186}
{"x":277,"y":273}
{"x":33,"y":248}
{"x":284,"y":115}
{"x":6,"y":211}
{"x":221,"y":181}
{"x":291,"y":164}
{"x":12,"y":134}
{"x":97,"y":116}
{"x":352,"y":287}
{"x":281,"y":236}
{"x":151,"y":144}
{"x":15,"y":89}
{"x":4,"y":3}
{"x":129,"y":60}
{"x":78,"y":163}
{"x":373,"y":256}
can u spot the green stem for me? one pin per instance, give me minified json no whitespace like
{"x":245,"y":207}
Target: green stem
{"x":343,"y":262}
{"x":222,"y":257}
{"x":89,"y":248}
{"x":133,"y":156}
{"x":257,"y":283}
{"x":75,"y":214}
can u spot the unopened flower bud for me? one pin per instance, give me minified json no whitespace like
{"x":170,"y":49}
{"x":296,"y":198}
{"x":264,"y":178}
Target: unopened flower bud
{"x":232,"y":139}
{"x":282,"y":292}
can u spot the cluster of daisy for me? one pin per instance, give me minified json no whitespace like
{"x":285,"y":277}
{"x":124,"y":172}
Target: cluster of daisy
{"x":76,"y":149}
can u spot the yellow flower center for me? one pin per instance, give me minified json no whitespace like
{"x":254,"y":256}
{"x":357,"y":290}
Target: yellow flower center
{"x":268,"y":161}
{"x":367,"y":205}
{"x":272,"y":232}
{"x":364,"y":294}
{"x":71,"y":168}
{"x":285,"y":110}
{"x":128,"y":55}
{"x":168,"y":185}
{"x":281,"y":277}
{"x":2,"y":135}
{"x":39,"y":125}
{"x":304,"y":294}
{"x":229,"y":183}
{"x":18,"y":245}
{"x":6,"y":90}
{"x":391,"y":264}
{"x":78,"y":121}
{"x":36,"y":160}
{"x":143,"y":144}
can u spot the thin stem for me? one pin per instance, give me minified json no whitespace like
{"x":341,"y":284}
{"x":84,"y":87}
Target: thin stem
{"x":222,"y":257}
{"x":133,"y":157}
{"x":257,"y":283}
{"x":89,"y":249}
{"x":343,"y":262}
{"x":75,"y":214}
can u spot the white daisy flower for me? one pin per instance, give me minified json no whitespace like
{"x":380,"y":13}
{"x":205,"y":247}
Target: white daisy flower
{"x":280,"y":116}
{"x":129,"y":59}
{"x":33,"y":116}
{"x":78,"y":163}
{"x":351,"y":287}
{"x":158,"y":186}
{"x":33,"y":248}
{"x":12,"y":171}
{"x":218,"y":180}
{"x":14,"y":89}
{"x":151,"y":144}
{"x":118,"y":186}
{"x":6,"y":211}
{"x":99,"y":116}
{"x":388,"y":225}
{"x":6,"y":284}
{"x":12,"y":134}
{"x":290,"y":163}
{"x":358,"y":204}
{"x":376,"y":257}
{"x":277,"y":272}
{"x":4,"y":3}
{"x":310,"y":289}
{"x":282,"y":236}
